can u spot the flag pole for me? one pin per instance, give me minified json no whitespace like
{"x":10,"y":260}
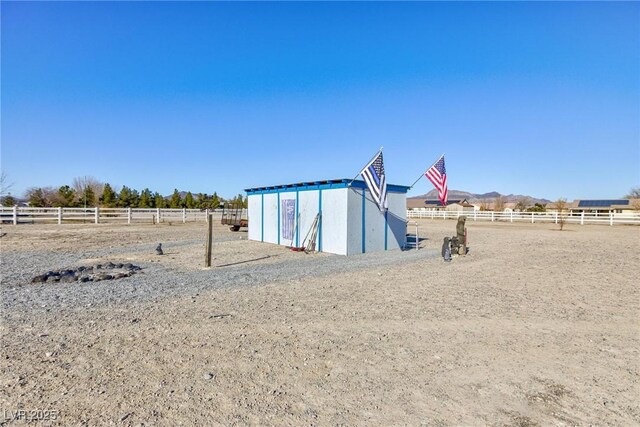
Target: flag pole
{"x":422,"y":174}
{"x":368,"y":163}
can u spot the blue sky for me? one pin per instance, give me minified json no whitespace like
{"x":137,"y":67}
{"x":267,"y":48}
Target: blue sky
{"x":527,"y":98}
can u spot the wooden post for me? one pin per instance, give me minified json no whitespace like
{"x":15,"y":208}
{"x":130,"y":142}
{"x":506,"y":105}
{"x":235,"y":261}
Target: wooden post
{"x":158,"y":214}
{"x":610,"y":218}
{"x":59,"y":216}
{"x":532,"y":218}
{"x":582,"y":218}
{"x":511,"y":216}
{"x":15,"y":215}
{"x":97,"y":215}
{"x":207,"y":258}
{"x":184,"y":215}
{"x":128,"y":215}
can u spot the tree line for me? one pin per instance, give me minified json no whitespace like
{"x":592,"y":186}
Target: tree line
{"x":89,"y":192}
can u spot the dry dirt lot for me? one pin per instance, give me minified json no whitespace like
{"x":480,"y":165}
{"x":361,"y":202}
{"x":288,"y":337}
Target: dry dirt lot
{"x":534,"y":327}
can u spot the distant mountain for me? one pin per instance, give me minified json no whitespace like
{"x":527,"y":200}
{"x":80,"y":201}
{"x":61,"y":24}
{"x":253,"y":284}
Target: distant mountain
{"x":478,"y":198}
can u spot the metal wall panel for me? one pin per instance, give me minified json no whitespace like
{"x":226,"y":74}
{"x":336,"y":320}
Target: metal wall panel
{"x":307,"y":210}
{"x":255,"y":217}
{"x":271,"y":218}
{"x":334,"y":221}
{"x":397,"y":221}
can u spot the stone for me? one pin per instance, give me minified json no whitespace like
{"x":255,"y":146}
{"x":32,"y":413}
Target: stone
{"x":446,"y":249}
{"x":39,"y":279}
{"x":159,"y":249}
{"x":53,"y":278}
{"x":68,"y":278}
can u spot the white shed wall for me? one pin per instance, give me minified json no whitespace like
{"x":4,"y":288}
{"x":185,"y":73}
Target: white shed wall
{"x":396,"y":221}
{"x":255,"y":217}
{"x":334,"y":221}
{"x":307,"y":211}
{"x":341,"y":225}
{"x":271,"y":218}
{"x":354,"y":227}
{"x":374,"y":225}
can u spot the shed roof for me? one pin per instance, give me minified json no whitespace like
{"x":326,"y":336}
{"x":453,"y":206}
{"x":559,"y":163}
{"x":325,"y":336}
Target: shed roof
{"x":321,"y":185}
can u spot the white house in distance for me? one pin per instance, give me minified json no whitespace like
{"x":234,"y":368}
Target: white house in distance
{"x":349,"y":222}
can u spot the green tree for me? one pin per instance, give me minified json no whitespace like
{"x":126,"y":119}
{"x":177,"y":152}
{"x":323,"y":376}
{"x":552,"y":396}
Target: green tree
{"x":88,"y":197}
{"x":215,"y":201}
{"x":36,"y":197}
{"x":146,"y":200}
{"x":176,"y":201}
{"x":189,"y":201}
{"x":124,"y":197}
{"x":537,"y":208}
{"x":108,"y":198}
{"x":87,"y":188}
{"x":134,"y":199}
{"x":9,"y":201}
{"x":67,"y":197}
{"x":159,"y":201}
{"x":202,"y":201}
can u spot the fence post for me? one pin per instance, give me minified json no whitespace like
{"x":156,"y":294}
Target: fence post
{"x":97,"y":215}
{"x":184,"y":215}
{"x":491,"y":216}
{"x":511,"y":216}
{"x":59,"y":215}
{"x":206,"y":218}
{"x":475,"y":214}
{"x":15,"y":215}
{"x":610,"y":218}
{"x":128,"y":215}
{"x":158,"y":214}
{"x":582,"y":218}
{"x":556,"y":217}
{"x":532,"y":218}
{"x":208,"y":242}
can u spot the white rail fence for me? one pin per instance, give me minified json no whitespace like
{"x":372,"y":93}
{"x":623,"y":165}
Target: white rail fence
{"x":532,"y":217}
{"x":22,"y":215}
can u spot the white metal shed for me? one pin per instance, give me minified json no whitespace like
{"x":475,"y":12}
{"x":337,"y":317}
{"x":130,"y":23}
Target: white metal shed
{"x":349,"y":223}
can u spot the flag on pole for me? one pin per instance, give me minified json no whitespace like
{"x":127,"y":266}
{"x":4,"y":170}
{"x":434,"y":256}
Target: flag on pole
{"x":374,"y":177}
{"x":437,"y":174}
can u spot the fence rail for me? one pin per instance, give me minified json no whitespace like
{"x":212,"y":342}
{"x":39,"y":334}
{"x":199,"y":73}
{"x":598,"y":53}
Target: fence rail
{"x":532,"y":217}
{"x":22,"y":215}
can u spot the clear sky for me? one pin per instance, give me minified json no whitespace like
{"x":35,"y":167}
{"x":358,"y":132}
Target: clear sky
{"x":540,"y":99}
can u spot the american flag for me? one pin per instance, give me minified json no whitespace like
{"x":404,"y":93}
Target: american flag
{"x":374,"y":177}
{"x":437,"y":174}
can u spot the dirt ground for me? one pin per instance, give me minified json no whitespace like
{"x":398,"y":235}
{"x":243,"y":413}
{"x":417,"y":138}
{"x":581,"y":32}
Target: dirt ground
{"x":534,"y":327}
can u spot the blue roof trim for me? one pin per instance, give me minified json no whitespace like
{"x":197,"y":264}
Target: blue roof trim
{"x":320,"y":185}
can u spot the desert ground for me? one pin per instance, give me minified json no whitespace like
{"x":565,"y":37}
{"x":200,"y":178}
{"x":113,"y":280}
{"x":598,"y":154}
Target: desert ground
{"x":535,"y":327}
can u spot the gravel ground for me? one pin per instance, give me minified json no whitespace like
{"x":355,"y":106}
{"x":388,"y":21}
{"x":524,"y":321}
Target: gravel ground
{"x":159,"y":280}
{"x":535,"y":327}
